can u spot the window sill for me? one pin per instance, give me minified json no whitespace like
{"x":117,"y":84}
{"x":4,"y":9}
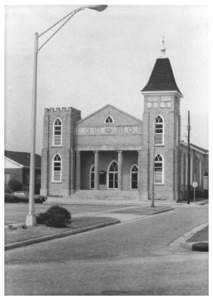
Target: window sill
{"x":56,"y":182}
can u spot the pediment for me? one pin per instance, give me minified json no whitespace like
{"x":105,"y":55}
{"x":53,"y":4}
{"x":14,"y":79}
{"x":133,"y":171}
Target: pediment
{"x":103,"y":116}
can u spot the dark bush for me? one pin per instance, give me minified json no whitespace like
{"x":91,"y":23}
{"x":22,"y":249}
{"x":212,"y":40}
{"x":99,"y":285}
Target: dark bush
{"x":55,"y":216}
{"x":15,"y":185}
{"x":9,"y":198}
{"x":42,"y":218}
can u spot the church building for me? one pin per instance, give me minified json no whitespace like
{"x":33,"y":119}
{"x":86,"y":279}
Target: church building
{"x":111,"y":154}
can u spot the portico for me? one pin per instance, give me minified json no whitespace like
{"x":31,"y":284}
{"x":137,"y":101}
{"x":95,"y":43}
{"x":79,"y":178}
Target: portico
{"x":107,"y":170}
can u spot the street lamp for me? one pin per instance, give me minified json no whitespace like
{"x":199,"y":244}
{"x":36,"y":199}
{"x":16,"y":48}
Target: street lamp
{"x":30,"y":218}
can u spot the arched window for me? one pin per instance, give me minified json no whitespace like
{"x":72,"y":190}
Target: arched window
{"x":92,"y":176}
{"x":57,"y":132}
{"x":109,"y":120}
{"x":158,"y":169}
{"x":159,"y":131}
{"x":57,"y":168}
{"x":113,"y":175}
{"x":134,"y":177}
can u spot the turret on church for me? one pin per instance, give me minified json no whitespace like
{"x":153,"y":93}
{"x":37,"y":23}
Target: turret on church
{"x":111,"y":154}
{"x":161,"y":133}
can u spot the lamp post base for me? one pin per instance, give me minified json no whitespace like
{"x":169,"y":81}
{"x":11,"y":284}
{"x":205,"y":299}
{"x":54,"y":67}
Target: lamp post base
{"x":30,"y":220}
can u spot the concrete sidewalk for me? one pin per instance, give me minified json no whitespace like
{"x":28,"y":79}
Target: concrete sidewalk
{"x":147,"y":203}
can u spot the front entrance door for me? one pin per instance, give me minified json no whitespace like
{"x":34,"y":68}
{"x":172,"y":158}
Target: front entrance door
{"x":113,"y":175}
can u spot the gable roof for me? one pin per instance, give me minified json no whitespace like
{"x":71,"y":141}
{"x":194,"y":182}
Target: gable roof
{"x":109,"y":106}
{"x":23,"y":158}
{"x":162,"y":77}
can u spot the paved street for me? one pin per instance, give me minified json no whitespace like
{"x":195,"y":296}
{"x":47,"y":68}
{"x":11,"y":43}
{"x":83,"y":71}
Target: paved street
{"x":129,"y":258}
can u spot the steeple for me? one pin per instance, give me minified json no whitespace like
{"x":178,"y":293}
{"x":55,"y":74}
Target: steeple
{"x":163,"y":48}
{"x":162,"y":77}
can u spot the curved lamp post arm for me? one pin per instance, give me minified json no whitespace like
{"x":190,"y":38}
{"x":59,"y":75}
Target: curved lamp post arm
{"x":67,"y":18}
{"x":52,"y":26}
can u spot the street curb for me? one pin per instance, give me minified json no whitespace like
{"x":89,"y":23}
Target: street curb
{"x":58,"y":235}
{"x":190,"y":245}
{"x":163,"y":210}
{"x":182,"y":241}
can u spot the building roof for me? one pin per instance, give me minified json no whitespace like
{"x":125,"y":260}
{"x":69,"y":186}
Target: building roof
{"x":23,"y":158}
{"x":195,"y":147}
{"x":162,"y":77}
{"x":110,"y":108}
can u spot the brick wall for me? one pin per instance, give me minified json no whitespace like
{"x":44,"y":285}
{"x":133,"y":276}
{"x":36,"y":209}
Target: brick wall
{"x":69,"y":117}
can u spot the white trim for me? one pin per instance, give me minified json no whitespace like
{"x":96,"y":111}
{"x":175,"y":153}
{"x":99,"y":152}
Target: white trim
{"x":111,"y":172}
{"x":132,"y":166}
{"x":53,"y":157}
{"x":159,"y":183}
{"x":53,"y":131}
{"x":90,"y":174}
{"x":162,"y":144}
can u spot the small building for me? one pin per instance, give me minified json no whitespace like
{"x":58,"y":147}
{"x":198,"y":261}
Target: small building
{"x":113,"y":153}
{"x":17,"y":166}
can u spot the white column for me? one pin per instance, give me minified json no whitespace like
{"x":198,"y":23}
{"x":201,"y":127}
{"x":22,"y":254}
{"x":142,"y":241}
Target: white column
{"x":120,"y":170}
{"x":96,"y":185}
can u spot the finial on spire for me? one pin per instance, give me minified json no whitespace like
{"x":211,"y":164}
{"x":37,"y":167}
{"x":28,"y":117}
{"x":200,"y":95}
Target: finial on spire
{"x":163,"y":48}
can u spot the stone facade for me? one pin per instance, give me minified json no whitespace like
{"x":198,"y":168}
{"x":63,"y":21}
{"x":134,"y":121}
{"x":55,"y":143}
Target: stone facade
{"x":111,"y":150}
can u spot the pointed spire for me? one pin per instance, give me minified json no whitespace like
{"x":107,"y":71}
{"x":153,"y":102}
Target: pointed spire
{"x":162,"y":77}
{"x":163,"y":48}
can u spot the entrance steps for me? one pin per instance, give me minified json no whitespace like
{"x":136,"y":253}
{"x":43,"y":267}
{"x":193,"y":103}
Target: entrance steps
{"x":108,"y":196}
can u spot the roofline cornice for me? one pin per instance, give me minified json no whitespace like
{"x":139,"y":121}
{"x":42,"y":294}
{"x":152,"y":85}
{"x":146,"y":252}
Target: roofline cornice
{"x":161,"y":92}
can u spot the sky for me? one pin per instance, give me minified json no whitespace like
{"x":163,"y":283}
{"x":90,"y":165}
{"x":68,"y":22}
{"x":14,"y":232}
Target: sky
{"x":103,"y":58}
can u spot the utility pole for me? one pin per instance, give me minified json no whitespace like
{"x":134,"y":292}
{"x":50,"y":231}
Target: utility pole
{"x":153,"y":170}
{"x":189,"y":160}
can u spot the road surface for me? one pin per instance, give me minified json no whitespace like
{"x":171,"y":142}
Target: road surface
{"x":132,"y":258}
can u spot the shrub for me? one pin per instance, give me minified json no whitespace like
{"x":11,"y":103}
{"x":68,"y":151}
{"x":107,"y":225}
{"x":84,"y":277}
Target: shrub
{"x":15,"y":185}
{"x":9,"y":198}
{"x":55,"y":216}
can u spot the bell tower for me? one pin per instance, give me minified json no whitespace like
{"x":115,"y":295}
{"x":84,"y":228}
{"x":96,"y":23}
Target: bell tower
{"x":161,"y":133}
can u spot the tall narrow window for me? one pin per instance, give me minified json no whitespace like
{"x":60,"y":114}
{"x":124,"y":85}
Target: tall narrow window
{"x":57,"y":132}
{"x":113,"y":175}
{"x":159,"y":131}
{"x":57,"y":168}
{"x":109,"y":120}
{"x":158,"y":169}
{"x":92,"y":177}
{"x":134,"y":177}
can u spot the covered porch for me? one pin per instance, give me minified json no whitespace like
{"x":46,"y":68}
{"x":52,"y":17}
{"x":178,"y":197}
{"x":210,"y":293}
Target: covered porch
{"x":109,"y":170}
